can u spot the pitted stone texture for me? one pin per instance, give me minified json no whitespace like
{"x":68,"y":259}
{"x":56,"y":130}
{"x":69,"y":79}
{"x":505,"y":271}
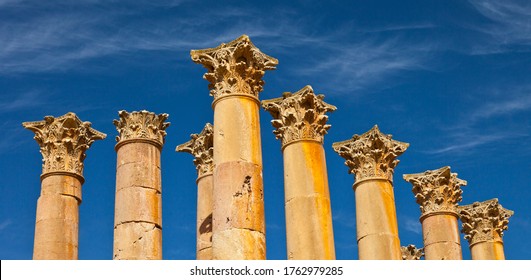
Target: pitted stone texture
{"x":441,"y":238}
{"x":299,"y":116}
{"x":239,"y":203}
{"x":309,"y":229}
{"x":138,"y":241}
{"x":204,"y":217}
{"x":238,"y":244}
{"x":376,"y":223}
{"x":234,"y":68}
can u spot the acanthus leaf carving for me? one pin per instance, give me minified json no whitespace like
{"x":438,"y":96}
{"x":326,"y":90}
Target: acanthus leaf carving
{"x":371,"y":155}
{"x":201,"y":146}
{"x":411,"y":253}
{"x":63,"y":142}
{"x":484,"y":221}
{"x":234,"y":68}
{"x":141,"y":125}
{"x":436,"y":190}
{"x":299,"y":115}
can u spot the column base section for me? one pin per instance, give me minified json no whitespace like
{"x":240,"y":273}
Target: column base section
{"x":137,"y":241}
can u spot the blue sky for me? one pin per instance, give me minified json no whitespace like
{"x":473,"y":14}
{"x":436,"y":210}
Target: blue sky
{"x":452,"y":78}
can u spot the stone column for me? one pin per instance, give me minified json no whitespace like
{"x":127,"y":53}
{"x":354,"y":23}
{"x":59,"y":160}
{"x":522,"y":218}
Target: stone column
{"x":201,"y":146}
{"x":63,"y":141}
{"x":483,"y":226}
{"x":300,"y":122}
{"x":235,"y":73}
{"x":372,"y":158}
{"x":411,"y":253}
{"x":438,"y":192}
{"x":138,"y":206}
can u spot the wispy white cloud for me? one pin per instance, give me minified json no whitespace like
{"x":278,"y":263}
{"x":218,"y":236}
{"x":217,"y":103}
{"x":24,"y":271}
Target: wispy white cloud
{"x":67,"y":38}
{"x":26,"y":100}
{"x":509,"y":24}
{"x":411,"y":225}
{"x":480,"y":126}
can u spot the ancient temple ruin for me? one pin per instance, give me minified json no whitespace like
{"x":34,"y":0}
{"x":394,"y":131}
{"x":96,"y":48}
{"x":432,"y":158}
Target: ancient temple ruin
{"x":228,"y":158}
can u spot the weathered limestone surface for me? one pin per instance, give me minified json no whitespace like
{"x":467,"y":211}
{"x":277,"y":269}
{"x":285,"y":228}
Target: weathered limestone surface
{"x":201,"y":146}
{"x":235,"y":72}
{"x":372,"y":158}
{"x":300,"y":123}
{"x":138,"y":206}
{"x":411,"y":253}
{"x":438,"y":192}
{"x":483,"y":225}
{"x":63,"y":142}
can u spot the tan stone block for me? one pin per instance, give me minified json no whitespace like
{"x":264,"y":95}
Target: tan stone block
{"x":204,"y":217}
{"x":237,"y":131}
{"x":440,"y":228}
{"x":138,"y":152}
{"x":138,"y":204}
{"x":239,"y":200}
{"x":379,"y":247}
{"x":238,"y":244}
{"x":375,"y":208}
{"x":61,"y":185}
{"x":138,"y":174}
{"x":489,"y":250}
{"x":309,"y":229}
{"x":443,"y":250}
{"x":138,"y":241}
{"x":57,"y":207}
{"x":305,"y":170}
{"x":55,"y":251}
{"x":205,"y":253}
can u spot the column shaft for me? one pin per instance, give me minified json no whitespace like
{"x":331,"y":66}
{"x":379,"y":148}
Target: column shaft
{"x":488,"y":250}
{"x":441,"y":237}
{"x":56,"y":227}
{"x":204,"y":217}
{"x":377,"y":229}
{"x":309,"y":229}
{"x":238,"y":217}
{"x":138,"y":208}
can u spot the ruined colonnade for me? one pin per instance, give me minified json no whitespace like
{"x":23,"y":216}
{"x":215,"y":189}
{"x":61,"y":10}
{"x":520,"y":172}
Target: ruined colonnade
{"x":230,"y":192}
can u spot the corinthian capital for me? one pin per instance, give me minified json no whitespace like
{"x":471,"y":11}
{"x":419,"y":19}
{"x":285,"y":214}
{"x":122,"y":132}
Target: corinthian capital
{"x":411,"y":253}
{"x":63,"y":141}
{"x":234,"y":68}
{"x":437,"y":191}
{"x":141,"y":126}
{"x":371,"y":155}
{"x":484,"y":221}
{"x":201,"y":146}
{"x":299,"y":116}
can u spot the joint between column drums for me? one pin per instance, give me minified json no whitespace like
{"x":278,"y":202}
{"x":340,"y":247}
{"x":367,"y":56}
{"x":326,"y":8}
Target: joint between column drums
{"x":450,"y":213}
{"x":203,"y":176}
{"x":239,"y":95}
{"x":63,"y":173}
{"x":370,"y":179}
{"x":300,"y":140}
{"x":138,"y":140}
